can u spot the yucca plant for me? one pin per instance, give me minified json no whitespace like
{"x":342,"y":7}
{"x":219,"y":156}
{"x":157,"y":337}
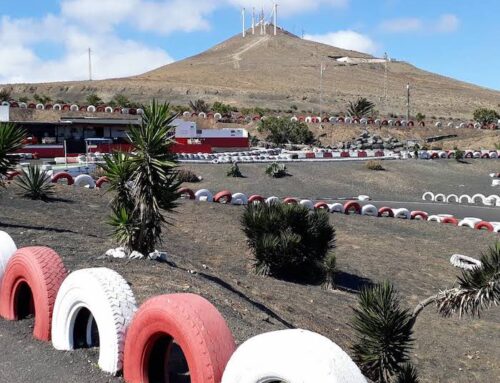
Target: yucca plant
{"x":35,"y":183}
{"x":11,"y":139}
{"x":276,"y":170}
{"x":145,"y":182}
{"x":360,"y":108}
{"x":234,"y":171}
{"x":384,"y":333}
{"x":199,"y":106}
{"x":408,"y":374}
{"x":288,"y":241}
{"x":476,"y":290}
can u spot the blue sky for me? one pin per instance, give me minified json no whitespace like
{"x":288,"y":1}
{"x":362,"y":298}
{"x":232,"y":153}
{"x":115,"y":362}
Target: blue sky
{"x":47,"y":40}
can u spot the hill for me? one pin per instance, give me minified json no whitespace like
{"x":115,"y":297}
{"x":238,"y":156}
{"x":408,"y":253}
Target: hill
{"x":281,"y":71}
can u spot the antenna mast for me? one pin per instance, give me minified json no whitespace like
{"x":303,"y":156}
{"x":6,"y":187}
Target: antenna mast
{"x":90,"y":64}
{"x":243,"y":22}
{"x":275,"y":18}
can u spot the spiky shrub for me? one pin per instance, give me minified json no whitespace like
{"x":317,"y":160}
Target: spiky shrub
{"x":11,"y":139}
{"x":374,"y":165}
{"x":360,"y":108}
{"x":476,"y":290}
{"x":35,"y":183}
{"x":234,"y":171}
{"x":276,"y":170}
{"x":288,"y":241}
{"x":146,"y":183}
{"x":383,"y":331}
{"x":407,"y":374}
{"x":330,"y":271}
{"x":186,"y":175}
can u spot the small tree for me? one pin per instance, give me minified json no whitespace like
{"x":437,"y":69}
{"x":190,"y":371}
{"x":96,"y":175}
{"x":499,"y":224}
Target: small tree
{"x":146,"y":182}
{"x":283,"y":131}
{"x":383,"y":331}
{"x":4,"y":95}
{"x":360,"y":108}
{"x":93,"y":99}
{"x":219,"y":107}
{"x":199,"y":106}
{"x":289,"y":241}
{"x":486,"y":116}
{"x":11,"y":140}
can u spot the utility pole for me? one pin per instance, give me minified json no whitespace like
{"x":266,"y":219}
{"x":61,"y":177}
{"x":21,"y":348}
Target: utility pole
{"x":275,"y":18}
{"x":262,"y":31}
{"x":386,"y":60}
{"x":321,"y":70}
{"x":408,"y":103}
{"x":243,"y":22}
{"x":253,"y":20}
{"x":90,"y":64}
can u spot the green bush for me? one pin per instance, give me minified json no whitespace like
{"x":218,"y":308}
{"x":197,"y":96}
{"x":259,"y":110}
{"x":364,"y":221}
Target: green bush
{"x":289,"y":241}
{"x":276,"y":170}
{"x":374,"y":165}
{"x":234,"y":171}
{"x":186,"y":175}
{"x":283,"y":131}
{"x":35,"y":183}
{"x":486,"y":116}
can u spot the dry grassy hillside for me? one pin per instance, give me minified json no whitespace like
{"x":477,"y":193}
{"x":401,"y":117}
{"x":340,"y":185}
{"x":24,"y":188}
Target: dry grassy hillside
{"x":281,"y":71}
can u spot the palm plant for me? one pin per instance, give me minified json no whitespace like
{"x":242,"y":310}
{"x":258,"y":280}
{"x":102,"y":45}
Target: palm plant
{"x":384,"y":333}
{"x":289,"y":241}
{"x":146,"y":182}
{"x":11,"y":139}
{"x":476,"y":290}
{"x":35,"y":183}
{"x":199,"y":106}
{"x":360,"y":108}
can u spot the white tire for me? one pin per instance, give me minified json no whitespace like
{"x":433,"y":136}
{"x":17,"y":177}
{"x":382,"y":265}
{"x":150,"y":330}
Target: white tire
{"x":273,"y":200}
{"x":336,"y":208}
{"x":7,"y":250}
{"x":478,"y":198}
{"x":428,"y":196}
{"x":469,"y":222}
{"x":465,"y":199}
{"x":370,"y":210}
{"x":307,"y":204}
{"x":435,"y":218}
{"x":452,"y":197}
{"x":292,"y":356}
{"x":464,"y":262}
{"x":402,"y":213}
{"x":203,"y":195}
{"x":439,"y":198}
{"x":239,"y":199}
{"x":84,"y":180}
{"x":89,"y":299}
{"x":363,"y":198}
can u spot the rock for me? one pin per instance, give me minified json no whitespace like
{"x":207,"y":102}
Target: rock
{"x":136,"y":255}
{"x":159,"y":256}
{"x":119,"y":252}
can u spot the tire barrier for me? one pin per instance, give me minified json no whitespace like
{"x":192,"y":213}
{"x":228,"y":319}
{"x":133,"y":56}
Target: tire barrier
{"x":336,"y":208}
{"x":476,"y":196}
{"x":417,"y":214}
{"x":428,"y":195}
{"x":308,"y":204}
{"x":84,"y":180}
{"x":63,"y":176}
{"x":223,"y":196}
{"x":290,"y":201}
{"x":385,"y":212}
{"x":464,"y":262}
{"x":352,"y":206}
{"x":239,"y":199}
{"x":439,"y":198}
{"x":29,"y":286}
{"x":369,"y":210}
{"x":273,"y":357}
{"x":465,"y":198}
{"x":7,"y":250}
{"x":94,"y":307}
{"x":469,"y":222}
{"x":12,"y":174}
{"x":483,"y":225}
{"x":450,"y":197}
{"x":434,"y":218}
{"x":402,"y":213}
{"x":101,"y":181}
{"x":203,"y":195}
{"x":492,"y":200}
{"x":450,"y":221}
{"x":256,"y":199}
{"x":321,"y":205}
{"x":272,"y":200}
{"x":186,"y":192}
{"x":169,"y":326}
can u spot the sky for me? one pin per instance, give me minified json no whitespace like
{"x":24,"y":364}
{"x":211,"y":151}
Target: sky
{"x":48,"y":40}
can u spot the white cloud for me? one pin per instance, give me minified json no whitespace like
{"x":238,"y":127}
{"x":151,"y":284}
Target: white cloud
{"x":446,"y":23}
{"x":402,"y":25}
{"x":346,"y":40}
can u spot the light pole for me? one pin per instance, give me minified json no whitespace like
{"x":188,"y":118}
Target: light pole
{"x":407,"y":103}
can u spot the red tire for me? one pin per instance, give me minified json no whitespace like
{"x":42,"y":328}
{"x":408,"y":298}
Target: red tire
{"x":385,"y":212}
{"x":290,"y":201}
{"x":450,"y":221}
{"x":187,"y":191}
{"x":101,"y":181}
{"x":321,"y":205}
{"x":256,"y":198}
{"x":196,"y":327}
{"x":350,"y":206}
{"x":485,"y":155}
{"x":483,"y":225}
{"x":422,"y":214}
{"x":30,"y":285}
{"x":434,"y":156}
{"x":224,"y":196}
{"x":12,"y":174}
{"x":63,"y":176}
